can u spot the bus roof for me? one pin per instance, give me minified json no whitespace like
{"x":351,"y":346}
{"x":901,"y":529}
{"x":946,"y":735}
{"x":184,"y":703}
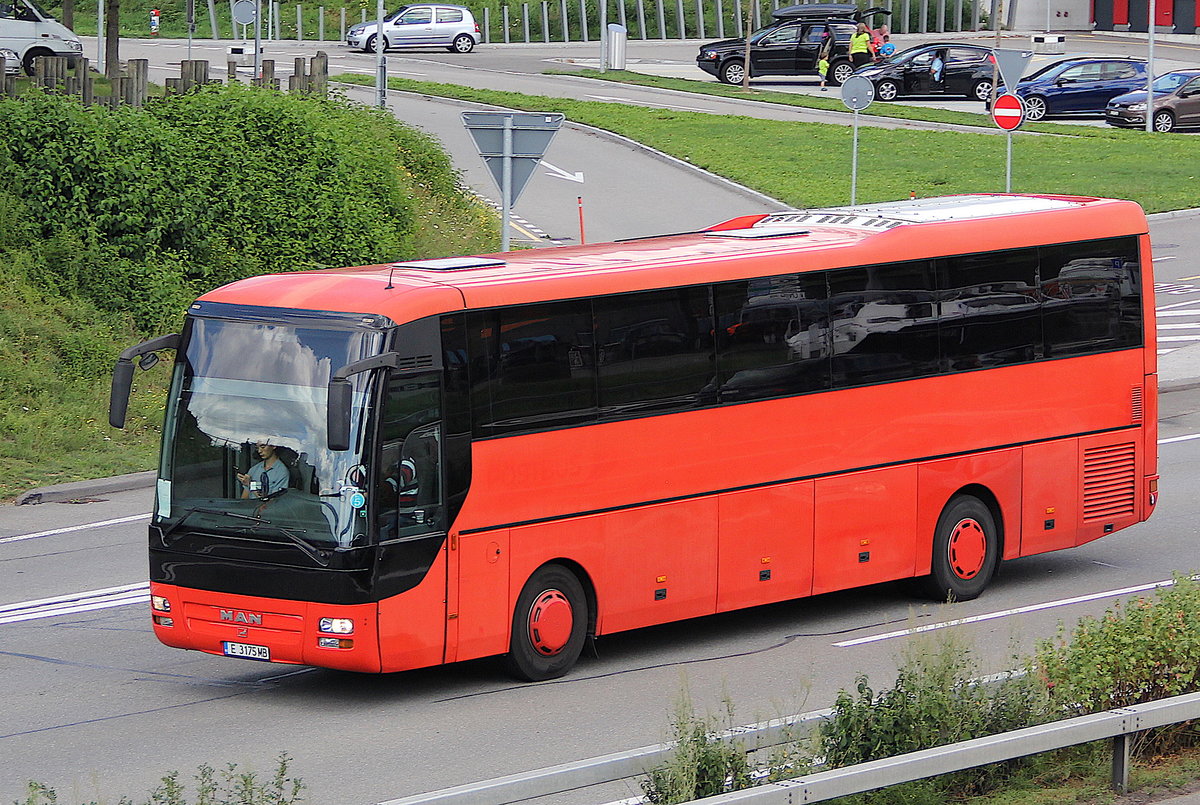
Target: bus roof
{"x":745,"y":247}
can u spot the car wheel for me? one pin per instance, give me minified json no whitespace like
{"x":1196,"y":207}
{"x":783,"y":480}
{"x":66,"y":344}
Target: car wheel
{"x":549,"y":625}
{"x":887,"y":90}
{"x":31,"y":55}
{"x":982,"y":91}
{"x":462,"y":44}
{"x":1035,"y":107}
{"x":839,"y":71}
{"x":1164,"y":121}
{"x":966,"y":549}
{"x":369,"y":47}
{"x":733,"y":72}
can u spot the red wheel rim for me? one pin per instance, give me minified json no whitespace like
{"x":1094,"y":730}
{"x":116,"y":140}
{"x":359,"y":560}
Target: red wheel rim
{"x":967,"y":548}
{"x":551,"y":620}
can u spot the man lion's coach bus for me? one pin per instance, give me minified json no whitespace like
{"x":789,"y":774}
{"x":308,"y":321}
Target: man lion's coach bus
{"x":396,"y":466}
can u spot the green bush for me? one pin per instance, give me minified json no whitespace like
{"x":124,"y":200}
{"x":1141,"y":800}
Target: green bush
{"x":702,"y":765}
{"x":934,"y":701}
{"x":112,"y":221}
{"x":227,"y":787}
{"x":1139,"y":651}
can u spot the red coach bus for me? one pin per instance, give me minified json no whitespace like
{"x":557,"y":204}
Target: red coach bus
{"x":396,"y":466}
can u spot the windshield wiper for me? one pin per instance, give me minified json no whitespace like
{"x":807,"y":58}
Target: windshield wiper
{"x":292,"y":534}
{"x":203,"y":510}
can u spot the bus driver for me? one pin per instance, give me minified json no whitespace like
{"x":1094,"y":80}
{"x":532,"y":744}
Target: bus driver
{"x":266,"y":478}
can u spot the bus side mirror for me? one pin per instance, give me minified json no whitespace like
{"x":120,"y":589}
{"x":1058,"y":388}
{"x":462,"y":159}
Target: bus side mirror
{"x":338,"y":414}
{"x":341,"y":397}
{"x":118,"y":399}
{"x":122,"y":381}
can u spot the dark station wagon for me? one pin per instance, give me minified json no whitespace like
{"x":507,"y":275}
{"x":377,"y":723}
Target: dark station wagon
{"x":790,"y":45}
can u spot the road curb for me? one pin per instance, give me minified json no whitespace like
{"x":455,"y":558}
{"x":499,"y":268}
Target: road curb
{"x":78,"y":490}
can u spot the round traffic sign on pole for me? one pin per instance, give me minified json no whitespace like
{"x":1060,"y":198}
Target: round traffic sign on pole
{"x":857,"y":92}
{"x":1009,"y":112}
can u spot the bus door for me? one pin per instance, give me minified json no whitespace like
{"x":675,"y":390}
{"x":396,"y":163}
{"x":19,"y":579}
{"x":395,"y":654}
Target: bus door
{"x":410,"y":517}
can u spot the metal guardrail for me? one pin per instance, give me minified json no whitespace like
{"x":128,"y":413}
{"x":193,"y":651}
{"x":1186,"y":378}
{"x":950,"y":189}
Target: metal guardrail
{"x":605,"y":768}
{"x":1119,"y":725}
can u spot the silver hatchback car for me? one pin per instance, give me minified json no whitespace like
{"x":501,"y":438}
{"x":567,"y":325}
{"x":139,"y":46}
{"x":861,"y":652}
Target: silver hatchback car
{"x":420,"y":24}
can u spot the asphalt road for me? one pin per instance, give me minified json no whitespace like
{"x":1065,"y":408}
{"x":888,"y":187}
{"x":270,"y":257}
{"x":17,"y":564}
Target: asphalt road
{"x":96,"y":707}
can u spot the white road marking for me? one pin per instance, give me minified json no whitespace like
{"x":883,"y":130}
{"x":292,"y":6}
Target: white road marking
{"x":88,"y":601}
{"x":1173,"y":439}
{"x":1062,"y":602}
{"x":68,"y":529}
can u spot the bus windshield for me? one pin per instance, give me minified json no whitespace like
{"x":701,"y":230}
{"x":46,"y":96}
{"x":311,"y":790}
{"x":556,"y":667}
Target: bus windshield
{"x":244,"y":452}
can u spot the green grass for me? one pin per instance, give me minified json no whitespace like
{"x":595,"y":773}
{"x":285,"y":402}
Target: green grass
{"x":831,"y":102}
{"x":808,"y":164}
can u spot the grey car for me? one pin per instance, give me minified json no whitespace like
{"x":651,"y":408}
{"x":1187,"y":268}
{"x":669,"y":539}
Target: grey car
{"x":12,"y":62}
{"x":452,"y":27}
{"x":1176,"y":103}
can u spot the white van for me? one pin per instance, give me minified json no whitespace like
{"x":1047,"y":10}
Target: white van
{"x":30,"y":31}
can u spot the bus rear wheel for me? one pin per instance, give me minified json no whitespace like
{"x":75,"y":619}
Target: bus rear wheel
{"x":549,"y":625}
{"x":966,"y":549}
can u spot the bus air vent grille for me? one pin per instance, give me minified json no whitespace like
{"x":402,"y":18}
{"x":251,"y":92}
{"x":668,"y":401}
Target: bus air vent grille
{"x":415,"y":362}
{"x":1108,"y":482}
{"x":1136,"y":408}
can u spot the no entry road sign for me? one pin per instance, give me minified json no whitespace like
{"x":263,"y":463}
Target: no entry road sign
{"x":1008,"y":112}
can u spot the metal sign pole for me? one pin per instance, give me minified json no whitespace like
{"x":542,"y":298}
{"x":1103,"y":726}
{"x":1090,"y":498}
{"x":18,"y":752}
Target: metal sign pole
{"x":854,"y":164}
{"x":380,"y":62}
{"x":100,"y":36}
{"x":191,"y":24}
{"x":257,"y":40}
{"x":506,"y":183}
{"x":603,"y":36}
{"x":1150,"y":67}
{"x":1008,"y":165}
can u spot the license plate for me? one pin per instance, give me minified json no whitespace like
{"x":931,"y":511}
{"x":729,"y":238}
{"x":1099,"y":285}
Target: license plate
{"x":246,"y":650}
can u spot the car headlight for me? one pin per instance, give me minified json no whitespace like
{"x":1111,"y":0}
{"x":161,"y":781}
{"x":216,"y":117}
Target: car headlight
{"x":708,"y":54}
{"x":1137,"y":107}
{"x":75,"y":45}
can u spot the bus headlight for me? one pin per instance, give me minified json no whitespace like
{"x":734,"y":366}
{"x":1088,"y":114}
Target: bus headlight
{"x":336,"y":625}
{"x":160,"y":603}
{"x":334,"y":642}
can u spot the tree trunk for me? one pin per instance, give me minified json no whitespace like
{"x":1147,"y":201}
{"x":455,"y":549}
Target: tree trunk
{"x":112,"y":38}
{"x":68,"y":11}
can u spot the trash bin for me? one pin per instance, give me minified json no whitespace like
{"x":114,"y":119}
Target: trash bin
{"x":617,"y":34}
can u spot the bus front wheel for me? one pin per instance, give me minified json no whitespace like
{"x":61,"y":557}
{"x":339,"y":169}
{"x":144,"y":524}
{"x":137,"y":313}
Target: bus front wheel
{"x":966,"y":551}
{"x":549,"y":625}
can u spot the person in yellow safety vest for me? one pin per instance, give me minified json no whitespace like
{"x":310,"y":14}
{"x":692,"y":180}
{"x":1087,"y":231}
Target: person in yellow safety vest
{"x":861,"y":50}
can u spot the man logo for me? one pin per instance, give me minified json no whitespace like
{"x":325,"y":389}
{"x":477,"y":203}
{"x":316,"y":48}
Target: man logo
{"x":237,"y":616}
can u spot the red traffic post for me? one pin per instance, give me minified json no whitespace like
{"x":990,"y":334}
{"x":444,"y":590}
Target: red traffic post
{"x":1009,"y":112}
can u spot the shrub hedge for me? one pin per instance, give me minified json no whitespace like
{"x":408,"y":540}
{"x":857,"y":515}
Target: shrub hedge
{"x":112,"y":221}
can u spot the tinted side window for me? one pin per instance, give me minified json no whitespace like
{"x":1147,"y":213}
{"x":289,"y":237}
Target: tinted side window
{"x":653,"y":351}
{"x":416,"y":16}
{"x":1092,"y":296}
{"x":883,"y":322}
{"x":773,"y":337}
{"x":1120,"y":71}
{"x":842,"y":31}
{"x":531,"y":367}
{"x":958,"y":56}
{"x":989,"y":310}
{"x":782,"y":36}
{"x":449,"y":15}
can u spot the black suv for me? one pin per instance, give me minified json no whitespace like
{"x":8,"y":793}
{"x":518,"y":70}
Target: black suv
{"x":790,"y":45}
